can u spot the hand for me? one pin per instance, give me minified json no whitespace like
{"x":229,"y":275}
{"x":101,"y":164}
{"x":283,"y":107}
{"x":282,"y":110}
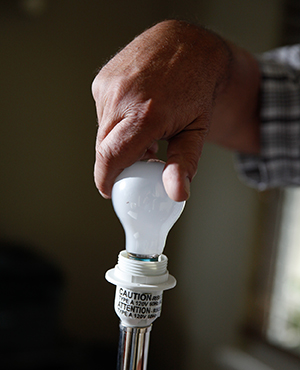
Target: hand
{"x":162,"y":85}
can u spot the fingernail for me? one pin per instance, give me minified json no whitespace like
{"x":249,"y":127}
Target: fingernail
{"x":103,"y":195}
{"x":187,"y":187}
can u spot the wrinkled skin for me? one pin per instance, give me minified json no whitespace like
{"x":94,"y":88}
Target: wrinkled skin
{"x":176,"y":82}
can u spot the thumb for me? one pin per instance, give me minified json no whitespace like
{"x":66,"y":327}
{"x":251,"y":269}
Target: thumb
{"x":183,"y":154}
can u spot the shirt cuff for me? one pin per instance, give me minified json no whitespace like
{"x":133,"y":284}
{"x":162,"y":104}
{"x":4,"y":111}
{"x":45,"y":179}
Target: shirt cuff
{"x":278,"y":163}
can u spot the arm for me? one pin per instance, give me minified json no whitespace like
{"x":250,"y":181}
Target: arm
{"x":180,"y":83}
{"x":236,"y":117}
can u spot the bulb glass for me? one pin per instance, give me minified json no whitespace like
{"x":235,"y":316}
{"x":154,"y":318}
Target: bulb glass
{"x":145,"y":210}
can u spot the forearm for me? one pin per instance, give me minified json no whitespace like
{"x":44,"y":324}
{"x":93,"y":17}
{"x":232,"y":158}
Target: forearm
{"x":235,"y":119}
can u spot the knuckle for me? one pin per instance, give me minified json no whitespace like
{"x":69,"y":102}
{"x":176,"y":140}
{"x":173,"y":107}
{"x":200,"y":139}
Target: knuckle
{"x":192,"y":165}
{"x":95,"y":87}
{"x":101,"y":171}
{"x":104,"y":157}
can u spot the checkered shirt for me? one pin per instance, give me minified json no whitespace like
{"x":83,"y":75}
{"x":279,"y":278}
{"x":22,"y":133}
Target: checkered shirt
{"x":278,"y":164}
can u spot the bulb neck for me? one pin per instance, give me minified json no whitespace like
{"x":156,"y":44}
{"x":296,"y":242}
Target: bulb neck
{"x":138,"y":274}
{"x":143,"y":258}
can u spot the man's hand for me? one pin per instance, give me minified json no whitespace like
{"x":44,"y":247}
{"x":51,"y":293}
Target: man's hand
{"x":163,"y":85}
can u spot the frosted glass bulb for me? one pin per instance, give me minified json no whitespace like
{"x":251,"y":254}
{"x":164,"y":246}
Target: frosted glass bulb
{"x":144,"y":208}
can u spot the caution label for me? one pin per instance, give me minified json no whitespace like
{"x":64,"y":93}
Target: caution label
{"x":138,"y":305}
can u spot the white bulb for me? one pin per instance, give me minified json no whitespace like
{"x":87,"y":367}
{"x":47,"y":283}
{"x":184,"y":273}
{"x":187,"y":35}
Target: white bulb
{"x":144,"y":208}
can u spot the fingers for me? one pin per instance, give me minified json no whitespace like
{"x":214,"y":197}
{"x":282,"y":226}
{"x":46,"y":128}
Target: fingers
{"x":125,"y":144}
{"x":184,"y":151}
{"x":124,"y":135}
{"x":151,"y":152}
{"x":128,"y":142}
{"x":177,"y":184}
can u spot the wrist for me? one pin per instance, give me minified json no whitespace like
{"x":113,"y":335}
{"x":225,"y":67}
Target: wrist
{"x":235,"y":120}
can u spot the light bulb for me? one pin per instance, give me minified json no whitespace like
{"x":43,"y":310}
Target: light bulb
{"x":141,"y":276}
{"x":144,"y":208}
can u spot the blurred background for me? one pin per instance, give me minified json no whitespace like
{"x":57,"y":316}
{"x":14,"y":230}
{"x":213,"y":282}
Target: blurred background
{"x":59,"y":237}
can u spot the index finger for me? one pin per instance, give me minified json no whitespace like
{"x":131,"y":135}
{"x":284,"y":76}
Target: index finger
{"x":125,"y":144}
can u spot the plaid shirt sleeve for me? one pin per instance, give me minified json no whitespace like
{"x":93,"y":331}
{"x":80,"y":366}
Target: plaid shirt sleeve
{"x":278,"y":164}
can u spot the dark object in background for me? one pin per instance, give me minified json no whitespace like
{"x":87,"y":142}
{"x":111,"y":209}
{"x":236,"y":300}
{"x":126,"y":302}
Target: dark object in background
{"x":30,"y":291}
{"x":30,"y":337}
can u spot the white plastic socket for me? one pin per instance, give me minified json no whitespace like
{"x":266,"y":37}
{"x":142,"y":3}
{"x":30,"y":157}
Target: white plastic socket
{"x":139,"y":291}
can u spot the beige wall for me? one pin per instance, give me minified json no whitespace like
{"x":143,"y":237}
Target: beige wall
{"x":47,"y":194}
